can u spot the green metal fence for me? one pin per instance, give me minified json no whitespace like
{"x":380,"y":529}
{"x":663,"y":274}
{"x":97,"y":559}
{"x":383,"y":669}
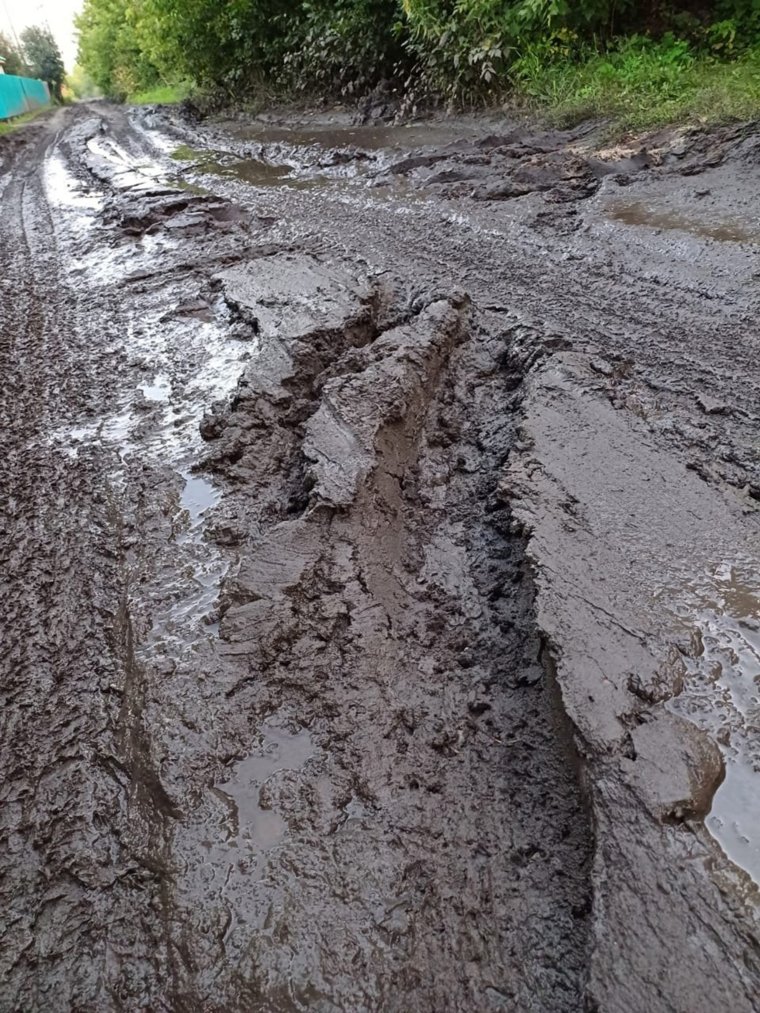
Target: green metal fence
{"x":21,"y":95}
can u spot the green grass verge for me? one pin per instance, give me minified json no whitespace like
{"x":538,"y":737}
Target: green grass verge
{"x":8,"y":126}
{"x":637,"y":84}
{"x":165,"y":94}
{"x":642,"y":84}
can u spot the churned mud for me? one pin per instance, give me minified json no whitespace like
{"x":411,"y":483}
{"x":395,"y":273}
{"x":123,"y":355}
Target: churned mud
{"x":380,"y":553}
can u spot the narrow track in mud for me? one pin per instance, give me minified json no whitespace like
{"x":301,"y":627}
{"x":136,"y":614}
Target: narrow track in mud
{"x":346,"y":653}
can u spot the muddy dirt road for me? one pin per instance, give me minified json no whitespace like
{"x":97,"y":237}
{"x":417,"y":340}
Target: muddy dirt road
{"x":379,"y":568}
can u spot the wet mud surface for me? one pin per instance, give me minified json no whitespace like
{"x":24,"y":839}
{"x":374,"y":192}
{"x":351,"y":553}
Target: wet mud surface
{"x":380,"y":553}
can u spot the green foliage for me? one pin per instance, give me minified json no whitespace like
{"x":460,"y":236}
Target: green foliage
{"x":637,"y":66}
{"x":8,"y":126}
{"x":743,"y":15}
{"x":230,"y":44}
{"x":162,"y":94}
{"x":640,"y":83}
{"x":466,"y":47}
{"x":43,"y":57}
{"x":14,"y":59}
{"x":570,"y":54}
{"x":113,"y":48}
{"x":80,"y":85}
{"x":342,"y":46}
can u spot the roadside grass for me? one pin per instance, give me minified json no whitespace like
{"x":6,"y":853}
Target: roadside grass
{"x":641,"y":84}
{"x":165,"y":94}
{"x":8,"y":126}
{"x":637,"y":83}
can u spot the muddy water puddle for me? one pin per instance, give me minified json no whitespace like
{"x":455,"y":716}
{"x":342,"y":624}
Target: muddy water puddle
{"x":722,"y":696}
{"x":641,"y":214}
{"x":198,"y":496}
{"x":250,"y":820}
{"x":353,"y":182}
{"x":176,"y":398}
{"x":257,"y":172}
{"x":223,"y":847}
{"x":128,"y":172}
{"x":64,"y":190}
{"x":80,"y":210}
{"x":172,"y":368}
{"x":157,"y":390}
{"x":164,"y":436}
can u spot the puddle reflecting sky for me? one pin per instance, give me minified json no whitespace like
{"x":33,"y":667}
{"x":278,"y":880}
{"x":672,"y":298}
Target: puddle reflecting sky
{"x":178,"y":367}
{"x":722,"y":696}
{"x":249,"y":822}
{"x":65,"y":191}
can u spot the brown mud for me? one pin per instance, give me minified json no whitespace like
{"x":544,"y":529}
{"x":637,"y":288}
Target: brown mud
{"x":379,"y":547}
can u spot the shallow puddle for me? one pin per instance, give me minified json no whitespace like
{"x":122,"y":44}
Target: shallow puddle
{"x":157,"y":389}
{"x":198,"y":497}
{"x":178,"y":366}
{"x":224,"y":847}
{"x":722,"y":696}
{"x":637,"y":213}
{"x":250,"y":821}
{"x":65,"y":191}
{"x":352,"y":182}
{"x":129,"y":173}
{"x":254,"y":172}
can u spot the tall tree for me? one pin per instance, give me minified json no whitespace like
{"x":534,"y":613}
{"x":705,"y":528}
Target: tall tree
{"x":44,"y":57}
{"x":114,"y":47}
{"x":14,"y":62}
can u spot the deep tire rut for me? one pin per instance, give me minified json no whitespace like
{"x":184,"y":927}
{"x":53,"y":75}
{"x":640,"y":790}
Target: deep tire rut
{"x":352,"y":797}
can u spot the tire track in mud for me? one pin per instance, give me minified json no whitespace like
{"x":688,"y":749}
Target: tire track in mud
{"x":93,"y":849}
{"x":357,"y":796}
{"x":66,"y":887}
{"x":628,"y":358}
{"x":327,"y":767}
{"x":376,"y":645}
{"x":37,"y":557}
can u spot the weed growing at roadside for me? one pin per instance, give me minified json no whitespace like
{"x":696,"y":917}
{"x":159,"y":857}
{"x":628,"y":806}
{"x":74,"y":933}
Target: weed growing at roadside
{"x":163,"y":94}
{"x":641,"y":83}
{"x":9,"y":126}
{"x":637,"y":63}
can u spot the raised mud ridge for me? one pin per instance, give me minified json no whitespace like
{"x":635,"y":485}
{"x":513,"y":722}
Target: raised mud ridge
{"x":334,"y":675}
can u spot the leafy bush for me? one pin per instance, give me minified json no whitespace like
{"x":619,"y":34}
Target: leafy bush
{"x":463,"y":50}
{"x":112,"y":49}
{"x":467,"y":47}
{"x":14,"y":58}
{"x":43,"y":57}
{"x":344,"y":46}
{"x":639,"y":82}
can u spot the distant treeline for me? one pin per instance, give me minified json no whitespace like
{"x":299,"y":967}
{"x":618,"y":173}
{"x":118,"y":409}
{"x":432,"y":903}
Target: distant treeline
{"x":461,"y":49}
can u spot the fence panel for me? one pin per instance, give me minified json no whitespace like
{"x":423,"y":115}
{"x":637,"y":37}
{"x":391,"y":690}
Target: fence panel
{"x":21,"y":95}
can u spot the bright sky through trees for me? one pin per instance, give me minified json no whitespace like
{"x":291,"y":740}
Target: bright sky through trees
{"x":58,"y":14}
